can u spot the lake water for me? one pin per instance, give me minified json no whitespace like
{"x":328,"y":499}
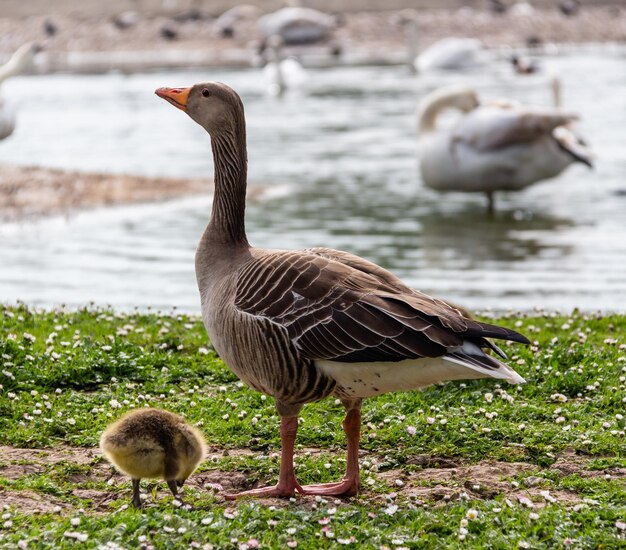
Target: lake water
{"x":341,"y":157}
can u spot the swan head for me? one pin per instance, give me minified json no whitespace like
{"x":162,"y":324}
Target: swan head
{"x":213,"y":105}
{"x":464,"y":99}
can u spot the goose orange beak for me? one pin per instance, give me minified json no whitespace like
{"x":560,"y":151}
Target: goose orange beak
{"x":176,"y":96}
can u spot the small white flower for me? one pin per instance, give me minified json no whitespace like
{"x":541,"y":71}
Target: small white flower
{"x":559,"y":397}
{"x":411,"y":430}
{"x":489,"y":397}
{"x":75,"y":521}
{"x":471,"y":514}
{"x":391,"y":509}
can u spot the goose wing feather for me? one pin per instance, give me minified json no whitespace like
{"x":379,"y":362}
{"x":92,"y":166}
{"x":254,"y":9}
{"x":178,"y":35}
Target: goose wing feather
{"x":496,"y":126}
{"x":337,"y":306}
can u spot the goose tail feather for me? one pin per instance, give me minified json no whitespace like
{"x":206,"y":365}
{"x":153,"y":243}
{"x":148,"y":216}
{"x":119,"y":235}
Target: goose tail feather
{"x":471,"y":356}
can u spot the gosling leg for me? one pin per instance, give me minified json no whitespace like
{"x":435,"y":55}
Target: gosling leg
{"x":136,"y":498}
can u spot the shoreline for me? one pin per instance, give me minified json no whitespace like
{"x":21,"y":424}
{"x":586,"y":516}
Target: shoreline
{"x":82,"y":43}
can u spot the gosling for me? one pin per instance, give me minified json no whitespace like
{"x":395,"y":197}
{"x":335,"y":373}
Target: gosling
{"x":155,"y":444}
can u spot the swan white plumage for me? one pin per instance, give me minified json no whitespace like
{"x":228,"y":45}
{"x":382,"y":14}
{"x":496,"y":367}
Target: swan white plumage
{"x":447,"y":54}
{"x":500,"y":146}
{"x":281,"y":74}
{"x":20,"y":61}
{"x":452,"y":54}
{"x":297,"y":25}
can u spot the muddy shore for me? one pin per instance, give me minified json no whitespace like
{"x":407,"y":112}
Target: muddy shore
{"x":32,"y":192}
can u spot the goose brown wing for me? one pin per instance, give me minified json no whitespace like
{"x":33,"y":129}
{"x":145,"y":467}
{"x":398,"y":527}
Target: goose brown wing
{"x":350,"y":311}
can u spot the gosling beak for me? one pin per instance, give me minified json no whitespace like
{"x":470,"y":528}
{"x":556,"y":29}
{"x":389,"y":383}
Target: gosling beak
{"x":176,"y":96}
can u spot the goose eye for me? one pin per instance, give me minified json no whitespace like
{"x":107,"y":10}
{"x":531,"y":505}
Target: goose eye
{"x":205,"y":93}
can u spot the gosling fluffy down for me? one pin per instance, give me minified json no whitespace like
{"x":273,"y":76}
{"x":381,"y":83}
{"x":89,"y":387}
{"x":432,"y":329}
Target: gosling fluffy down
{"x":156,"y":444}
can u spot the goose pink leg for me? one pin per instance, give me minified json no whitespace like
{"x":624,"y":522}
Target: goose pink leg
{"x":350,"y":484}
{"x":287,"y":484}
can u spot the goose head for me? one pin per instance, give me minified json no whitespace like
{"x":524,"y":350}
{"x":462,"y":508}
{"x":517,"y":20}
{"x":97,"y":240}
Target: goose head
{"x":213,"y":105}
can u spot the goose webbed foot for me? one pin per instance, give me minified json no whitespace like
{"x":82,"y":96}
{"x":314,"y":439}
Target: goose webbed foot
{"x":347,"y":487}
{"x":280,"y":490}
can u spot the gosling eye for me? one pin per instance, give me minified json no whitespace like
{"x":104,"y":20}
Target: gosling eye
{"x":205,"y":92}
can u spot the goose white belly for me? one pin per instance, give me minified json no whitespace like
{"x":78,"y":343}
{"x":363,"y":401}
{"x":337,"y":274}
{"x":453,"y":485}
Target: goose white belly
{"x":369,"y":379}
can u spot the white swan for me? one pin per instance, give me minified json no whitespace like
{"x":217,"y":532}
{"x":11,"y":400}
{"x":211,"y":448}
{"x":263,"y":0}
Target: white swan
{"x":500,"y":146}
{"x":21,"y":60}
{"x":452,"y":54}
{"x":281,"y":74}
{"x":297,"y":25}
{"x":448,"y":54}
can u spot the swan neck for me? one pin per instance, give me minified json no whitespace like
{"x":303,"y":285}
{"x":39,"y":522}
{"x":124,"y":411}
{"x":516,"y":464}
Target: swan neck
{"x":431,"y":109}
{"x":10,"y":68}
{"x":227,"y":225}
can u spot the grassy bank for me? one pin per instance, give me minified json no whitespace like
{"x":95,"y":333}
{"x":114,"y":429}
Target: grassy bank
{"x":540,"y":465}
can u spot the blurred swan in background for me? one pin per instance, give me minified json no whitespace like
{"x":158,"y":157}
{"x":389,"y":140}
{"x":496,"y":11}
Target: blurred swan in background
{"x":20,"y":61}
{"x":281,"y":74}
{"x":297,"y":25}
{"x":448,"y":54}
{"x":499,"y":146}
{"x":452,"y":54}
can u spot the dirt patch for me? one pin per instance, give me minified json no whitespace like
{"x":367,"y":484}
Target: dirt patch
{"x":437,"y":481}
{"x":32,"y":502}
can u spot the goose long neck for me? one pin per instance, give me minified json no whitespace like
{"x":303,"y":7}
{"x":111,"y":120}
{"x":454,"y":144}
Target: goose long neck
{"x":227,"y":225}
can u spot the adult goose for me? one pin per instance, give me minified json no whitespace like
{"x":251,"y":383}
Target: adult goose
{"x":499,"y":146}
{"x":303,"y":325}
{"x":21,"y":60}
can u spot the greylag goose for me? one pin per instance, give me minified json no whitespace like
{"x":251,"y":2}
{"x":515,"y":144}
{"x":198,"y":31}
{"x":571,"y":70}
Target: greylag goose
{"x":153,"y":444}
{"x":303,"y":325}
{"x":499,"y":146}
{"x":20,"y":61}
{"x":281,"y":74}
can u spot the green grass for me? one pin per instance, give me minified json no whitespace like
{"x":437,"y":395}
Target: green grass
{"x":65,"y":375}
